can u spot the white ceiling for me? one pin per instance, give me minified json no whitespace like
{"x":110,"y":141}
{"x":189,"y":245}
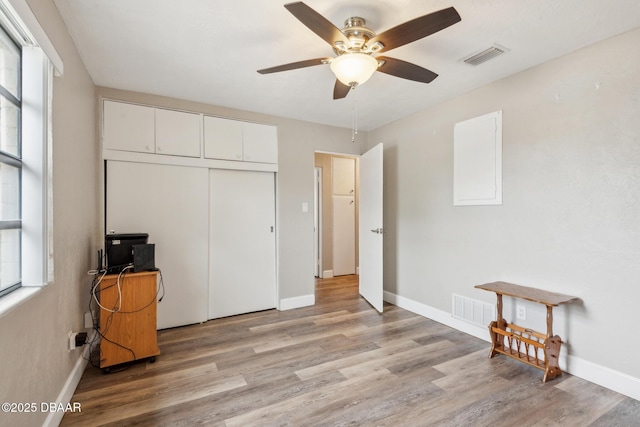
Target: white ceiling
{"x":209,"y":50}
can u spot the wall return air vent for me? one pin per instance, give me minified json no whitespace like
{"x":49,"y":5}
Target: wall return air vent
{"x":485,"y":55}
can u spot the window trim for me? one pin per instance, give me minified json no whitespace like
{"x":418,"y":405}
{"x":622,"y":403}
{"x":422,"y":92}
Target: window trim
{"x":39,"y":63}
{"x":15,"y":160}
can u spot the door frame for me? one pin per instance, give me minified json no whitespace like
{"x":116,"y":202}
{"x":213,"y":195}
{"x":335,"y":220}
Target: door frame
{"x":317,"y":220}
{"x":321,"y":218}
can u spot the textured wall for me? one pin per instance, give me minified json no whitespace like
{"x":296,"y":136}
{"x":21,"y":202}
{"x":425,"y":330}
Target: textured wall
{"x":571,"y":179}
{"x":34,"y":351}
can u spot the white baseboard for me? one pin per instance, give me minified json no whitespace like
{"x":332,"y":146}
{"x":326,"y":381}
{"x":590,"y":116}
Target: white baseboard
{"x":327,"y":274}
{"x":597,"y":374}
{"x":605,"y":377}
{"x":297,"y":302}
{"x":66,"y":394}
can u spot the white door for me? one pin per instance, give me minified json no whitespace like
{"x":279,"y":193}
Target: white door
{"x":242,"y":275}
{"x":170,"y":203}
{"x":371,"y":237}
{"x":344,"y":235}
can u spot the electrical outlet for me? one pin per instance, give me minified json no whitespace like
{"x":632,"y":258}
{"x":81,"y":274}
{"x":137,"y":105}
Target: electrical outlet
{"x":72,"y":340}
{"x":521,"y":312}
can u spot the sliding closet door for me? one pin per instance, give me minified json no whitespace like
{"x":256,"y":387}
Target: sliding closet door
{"x":242,"y":275}
{"x":171,"y":204}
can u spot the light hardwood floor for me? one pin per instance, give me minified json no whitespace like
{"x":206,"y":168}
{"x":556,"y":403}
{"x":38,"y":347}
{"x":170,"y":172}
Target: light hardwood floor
{"x":337,"y":363}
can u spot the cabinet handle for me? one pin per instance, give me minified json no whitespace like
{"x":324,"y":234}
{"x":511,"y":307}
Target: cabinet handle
{"x":159,"y":148}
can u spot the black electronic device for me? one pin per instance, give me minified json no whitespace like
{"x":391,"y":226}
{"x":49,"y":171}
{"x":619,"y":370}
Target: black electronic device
{"x":144,"y":257}
{"x":119,"y":249}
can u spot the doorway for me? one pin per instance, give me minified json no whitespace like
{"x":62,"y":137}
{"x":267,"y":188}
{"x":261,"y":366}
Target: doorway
{"x":336,"y":214}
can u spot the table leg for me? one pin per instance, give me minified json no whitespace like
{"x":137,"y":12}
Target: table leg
{"x":549,"y":321}
{"x":551,"y":355}
{"x":497,"y":339}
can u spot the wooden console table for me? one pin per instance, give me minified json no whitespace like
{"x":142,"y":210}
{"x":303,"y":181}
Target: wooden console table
{"x":128,"y":318}
{"x":515,"y":341}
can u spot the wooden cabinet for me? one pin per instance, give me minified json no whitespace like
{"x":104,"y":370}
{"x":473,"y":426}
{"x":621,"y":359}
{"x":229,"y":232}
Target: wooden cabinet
{"x":227,"y":139}
{"x":128,"y":318}
{"x":138,"y":128}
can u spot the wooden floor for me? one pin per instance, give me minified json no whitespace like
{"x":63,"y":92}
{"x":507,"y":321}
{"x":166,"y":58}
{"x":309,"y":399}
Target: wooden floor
{"x":337,"y":363}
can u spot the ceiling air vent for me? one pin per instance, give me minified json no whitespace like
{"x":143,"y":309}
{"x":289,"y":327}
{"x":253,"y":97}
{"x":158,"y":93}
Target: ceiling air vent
{"x":485,"y":55}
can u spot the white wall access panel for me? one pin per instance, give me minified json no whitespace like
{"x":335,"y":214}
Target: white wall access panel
{"x":171,"y":204}
{"x":477,"y":161}
{"x":242,"y":249}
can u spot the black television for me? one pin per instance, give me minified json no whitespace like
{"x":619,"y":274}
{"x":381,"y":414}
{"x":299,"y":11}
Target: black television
{"x":119,"y":249}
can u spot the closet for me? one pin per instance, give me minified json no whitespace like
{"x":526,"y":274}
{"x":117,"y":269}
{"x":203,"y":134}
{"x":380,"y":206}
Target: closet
{"x":205,"y":197}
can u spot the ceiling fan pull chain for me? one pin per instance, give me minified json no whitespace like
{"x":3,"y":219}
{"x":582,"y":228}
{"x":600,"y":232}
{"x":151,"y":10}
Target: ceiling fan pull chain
{"x":354,"y":131}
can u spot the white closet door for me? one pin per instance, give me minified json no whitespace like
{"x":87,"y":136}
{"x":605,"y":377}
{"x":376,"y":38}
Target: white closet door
{"x":344,"y":235}
{"x":242,"y":275}
{"x":171,"y":204}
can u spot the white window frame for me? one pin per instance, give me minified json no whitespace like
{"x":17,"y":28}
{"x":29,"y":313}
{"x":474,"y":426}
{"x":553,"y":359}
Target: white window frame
{"x":39,"y":62}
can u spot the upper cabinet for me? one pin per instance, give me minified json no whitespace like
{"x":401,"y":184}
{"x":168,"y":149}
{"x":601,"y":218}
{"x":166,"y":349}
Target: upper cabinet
{"x":132,"y":128}
{"x":138,"y":128}
{"x":128,"y":127}
{"x":177,"y":133}
{"x":241,"y":141}
{"x":222,"y":139}
{"x":343,"y":176}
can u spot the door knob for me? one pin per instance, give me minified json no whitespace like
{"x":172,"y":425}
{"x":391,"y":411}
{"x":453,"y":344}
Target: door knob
{"x":378,"y":231}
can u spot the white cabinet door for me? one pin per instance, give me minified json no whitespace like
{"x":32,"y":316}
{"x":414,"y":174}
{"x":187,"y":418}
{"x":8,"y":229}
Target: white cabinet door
{"x":242,"y":276}
{"x":260,"y":143}
{"x":343,"y":176}
{"x":222,"y":138}
{"x":344,"y":235}
{"x":170,"y":203}
{"x":128,"y":127}
{"x":177,"y":133}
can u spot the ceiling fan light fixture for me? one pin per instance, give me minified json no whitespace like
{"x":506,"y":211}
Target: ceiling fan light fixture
{"x":353,"y":69}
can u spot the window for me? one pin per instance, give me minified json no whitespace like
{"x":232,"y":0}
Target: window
{"x":27,"y":63}
{"x":10,"y":164}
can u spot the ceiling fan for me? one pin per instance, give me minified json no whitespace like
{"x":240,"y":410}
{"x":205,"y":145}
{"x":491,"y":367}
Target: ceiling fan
{"x":356,"y":44}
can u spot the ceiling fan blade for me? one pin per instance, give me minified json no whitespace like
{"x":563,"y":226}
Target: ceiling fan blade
{"x":295,"y":65}
{"x":340,"y":90}
{"x":405,"y":70}
{"x":416,"y":29}
{"x":317,"y":23}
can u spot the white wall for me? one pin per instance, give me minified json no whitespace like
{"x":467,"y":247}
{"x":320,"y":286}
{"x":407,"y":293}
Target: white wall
{"x":35,"y":361}
{"x":569,"y":221}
